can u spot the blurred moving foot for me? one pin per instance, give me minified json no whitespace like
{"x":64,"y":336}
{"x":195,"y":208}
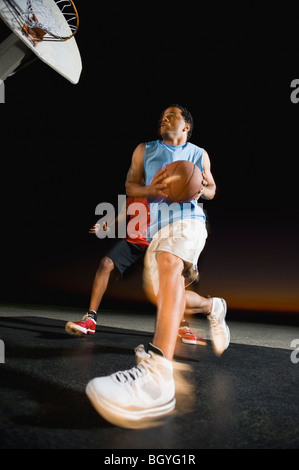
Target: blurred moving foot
{"x":144,"y":392}
{"x":187,"y":337}
{"x":219,"y":330}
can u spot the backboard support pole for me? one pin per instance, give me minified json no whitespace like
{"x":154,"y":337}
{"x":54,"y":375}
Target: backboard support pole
{"x":12,"y":53}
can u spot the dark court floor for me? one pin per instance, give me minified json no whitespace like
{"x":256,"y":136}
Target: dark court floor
{"x":247,"y":399}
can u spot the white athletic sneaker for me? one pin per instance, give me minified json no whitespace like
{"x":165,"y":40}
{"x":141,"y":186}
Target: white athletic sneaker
{"x":128,"y":397}
{"x":220,"y":334}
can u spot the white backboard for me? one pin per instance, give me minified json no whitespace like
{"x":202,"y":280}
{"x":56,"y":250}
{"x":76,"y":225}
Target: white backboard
{"x":62,"y":56}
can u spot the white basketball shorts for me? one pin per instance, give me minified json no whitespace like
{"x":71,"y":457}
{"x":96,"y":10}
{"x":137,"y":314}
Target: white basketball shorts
{"x":184,"y":238}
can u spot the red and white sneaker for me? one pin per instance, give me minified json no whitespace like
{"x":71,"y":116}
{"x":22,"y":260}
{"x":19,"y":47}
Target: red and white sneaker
{"x":84,"y":327}
{"x":188,"y":337}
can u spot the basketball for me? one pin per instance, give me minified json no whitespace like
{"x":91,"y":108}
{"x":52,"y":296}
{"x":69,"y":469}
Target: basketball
{"x":184,"y":181}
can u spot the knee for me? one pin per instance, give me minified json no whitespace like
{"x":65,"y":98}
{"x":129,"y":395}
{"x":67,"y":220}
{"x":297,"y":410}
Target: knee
{"x":106,"y":264}
{"x":170,"y":263}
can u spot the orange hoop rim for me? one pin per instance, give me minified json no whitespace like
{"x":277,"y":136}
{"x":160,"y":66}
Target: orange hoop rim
{"x":36,"y":33}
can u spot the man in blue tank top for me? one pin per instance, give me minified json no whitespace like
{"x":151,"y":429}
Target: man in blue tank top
{"x":148,"y":390}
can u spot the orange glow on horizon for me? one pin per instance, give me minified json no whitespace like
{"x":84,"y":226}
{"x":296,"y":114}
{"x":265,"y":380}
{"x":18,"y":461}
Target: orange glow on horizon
{"x":263,"y":303}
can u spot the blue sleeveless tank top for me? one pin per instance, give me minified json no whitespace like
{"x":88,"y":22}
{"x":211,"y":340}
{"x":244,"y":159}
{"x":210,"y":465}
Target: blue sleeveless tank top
{"x":158,"y":155}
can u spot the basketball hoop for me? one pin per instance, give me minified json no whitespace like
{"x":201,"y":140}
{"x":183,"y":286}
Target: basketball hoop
{"x":39,"y":21}
{"x":44,"y":27}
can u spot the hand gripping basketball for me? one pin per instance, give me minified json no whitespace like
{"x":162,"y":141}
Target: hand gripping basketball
{"x":158,"y":184}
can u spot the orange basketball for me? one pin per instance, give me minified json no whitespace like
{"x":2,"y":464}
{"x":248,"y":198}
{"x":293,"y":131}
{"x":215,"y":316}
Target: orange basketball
{"x":184,"y":181}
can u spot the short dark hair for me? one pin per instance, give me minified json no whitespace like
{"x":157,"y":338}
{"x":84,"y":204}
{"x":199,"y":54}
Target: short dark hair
{"x":186,"y":115}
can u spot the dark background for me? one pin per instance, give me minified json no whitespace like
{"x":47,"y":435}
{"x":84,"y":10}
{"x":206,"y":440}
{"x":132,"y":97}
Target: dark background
{"x":65,"y":148}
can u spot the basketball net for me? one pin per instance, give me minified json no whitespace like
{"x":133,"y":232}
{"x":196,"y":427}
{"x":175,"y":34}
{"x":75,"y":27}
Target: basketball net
{"x":39,"y":22}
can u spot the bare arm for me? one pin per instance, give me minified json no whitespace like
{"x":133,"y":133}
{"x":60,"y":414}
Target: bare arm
{"x":209,"y":186}
{"x":135,"y":177}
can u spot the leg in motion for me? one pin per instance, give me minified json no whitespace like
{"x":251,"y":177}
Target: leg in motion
{"x":100,"y":282}
{"x":147,"y":390}
{"x":171,"y":302}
